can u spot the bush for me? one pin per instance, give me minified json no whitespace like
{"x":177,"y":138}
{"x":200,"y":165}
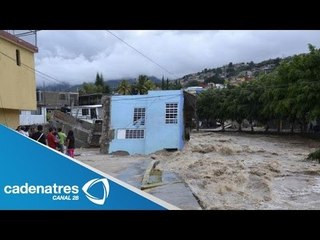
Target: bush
{"x":314,"y":156}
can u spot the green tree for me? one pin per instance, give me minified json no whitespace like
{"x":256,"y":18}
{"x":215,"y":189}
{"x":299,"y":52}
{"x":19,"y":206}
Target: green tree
{"x":251,"y":64}
{"x":266,"y":112}
{"x":149,"y":85}
{"x":99,"y":80}
{"x":162,"y":84}
{"x":249,"y":100}
{"x":215,"y":79}
{"x":219,"y":71}
{"x":176,"y":86}
{"x":124,"y":88}
{"x":235,"y":105}
{"x":211,"y":106}
{"x":97,"y":87}
{"x":88,"y":88}
{"x":106,"y":89}
{"x":143,"y":85}
{"x":193,"y":83}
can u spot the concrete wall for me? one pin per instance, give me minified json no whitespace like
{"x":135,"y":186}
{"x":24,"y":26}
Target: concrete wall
{"x":122,"y":109}
{"x":158,"y":134}
{"x":106,"y":134}
{"x":27,"y":118}
{"x":9,"y":117}
{"x":18,"y":85}
{"x":86,"y":134}
{"x":57,"y":99}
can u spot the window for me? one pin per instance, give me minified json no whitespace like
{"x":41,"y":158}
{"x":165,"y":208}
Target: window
{"x":62,"y":97}
{"x":138,"y":116}
{"x":85,"y":111}
{"x":18,"y":59}
{"x":134,"y":133}
{"x":171,"y":113}
{"x":93,"y":113}
{"x":37,"y":112}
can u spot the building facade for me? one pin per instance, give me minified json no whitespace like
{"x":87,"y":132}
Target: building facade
{"x":143,"y":124}
{"x":56,"y":100}
{"x":17,"y":78}
{"x":90,"y":99}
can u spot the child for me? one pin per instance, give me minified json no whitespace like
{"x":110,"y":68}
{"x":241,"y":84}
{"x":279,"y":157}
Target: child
{"x":70,"y":144}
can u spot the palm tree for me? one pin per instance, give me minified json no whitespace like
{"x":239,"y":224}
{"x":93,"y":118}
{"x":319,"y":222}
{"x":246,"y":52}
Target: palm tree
{"x":144,"y":84}
{"x":141,"y":84}
{"x":124,"y":88}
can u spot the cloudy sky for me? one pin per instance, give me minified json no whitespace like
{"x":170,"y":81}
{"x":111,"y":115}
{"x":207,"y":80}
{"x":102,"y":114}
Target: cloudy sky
{"x":76,"y":56}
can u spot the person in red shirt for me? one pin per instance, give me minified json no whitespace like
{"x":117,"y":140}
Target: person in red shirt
{"x":52,"y":140}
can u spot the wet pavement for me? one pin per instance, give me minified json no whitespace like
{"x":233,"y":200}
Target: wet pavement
{"x":176,"y":192}
{"x":132,"y":170}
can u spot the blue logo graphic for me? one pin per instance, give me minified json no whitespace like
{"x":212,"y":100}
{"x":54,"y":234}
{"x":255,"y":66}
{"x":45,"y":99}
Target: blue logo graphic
{"x":35,"y":177}
{"x":105,"y":187}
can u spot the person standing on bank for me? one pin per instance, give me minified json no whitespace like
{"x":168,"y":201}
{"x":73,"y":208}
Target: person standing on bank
{"x":52,"y":140}
{"x":62,"y":139}
{"x":70,"y":144}
{"x":39,"y":135}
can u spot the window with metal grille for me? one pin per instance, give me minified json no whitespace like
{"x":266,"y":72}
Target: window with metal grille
{"x":139,"y":116}
{"x":85,"y":111}
{"x":171,"y":113}
{"x":134,"y":133}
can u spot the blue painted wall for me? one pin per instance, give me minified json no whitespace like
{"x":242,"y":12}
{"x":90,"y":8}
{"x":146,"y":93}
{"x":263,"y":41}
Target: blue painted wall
{"x":158,"y":134}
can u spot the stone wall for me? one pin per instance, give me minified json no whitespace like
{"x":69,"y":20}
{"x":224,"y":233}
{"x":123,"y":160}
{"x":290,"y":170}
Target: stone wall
{"x":106,"y":134}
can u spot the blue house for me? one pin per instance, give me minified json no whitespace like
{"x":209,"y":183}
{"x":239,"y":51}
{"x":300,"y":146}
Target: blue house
{"x":143,"y":124}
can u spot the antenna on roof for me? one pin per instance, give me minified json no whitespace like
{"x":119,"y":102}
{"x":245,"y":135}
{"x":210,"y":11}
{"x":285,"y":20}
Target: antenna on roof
{"x":29,"y":36}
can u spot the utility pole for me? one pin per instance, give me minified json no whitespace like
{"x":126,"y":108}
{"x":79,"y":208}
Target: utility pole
{"x":44,"y":95}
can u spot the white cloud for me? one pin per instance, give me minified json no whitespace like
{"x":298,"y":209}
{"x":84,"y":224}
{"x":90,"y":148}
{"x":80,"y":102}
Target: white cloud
{"x":76,"y":56}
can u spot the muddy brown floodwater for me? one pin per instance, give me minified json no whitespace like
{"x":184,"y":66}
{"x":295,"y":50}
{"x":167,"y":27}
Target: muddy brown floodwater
{"x":232,"y":170}
{"x":244,"y":171}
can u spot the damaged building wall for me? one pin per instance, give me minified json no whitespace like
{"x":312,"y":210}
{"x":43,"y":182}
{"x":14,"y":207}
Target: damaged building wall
{"x":106,"y":134}
{"x":86,"y":134}
{"x":189,"y":113}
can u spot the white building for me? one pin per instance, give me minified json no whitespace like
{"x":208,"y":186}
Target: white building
{"x":36,"y":117}
{"x":89,"y":113}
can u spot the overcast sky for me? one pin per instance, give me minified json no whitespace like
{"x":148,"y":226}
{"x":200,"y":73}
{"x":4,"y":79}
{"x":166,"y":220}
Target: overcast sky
{"x":76,"y":56}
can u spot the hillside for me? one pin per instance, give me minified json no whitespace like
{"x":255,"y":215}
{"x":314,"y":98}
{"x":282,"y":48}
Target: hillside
{"x":230,"y":73}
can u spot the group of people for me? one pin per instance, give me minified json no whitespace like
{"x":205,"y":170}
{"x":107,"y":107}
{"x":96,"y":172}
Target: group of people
{"x":57,"y":140}
{"x":23,"y":130}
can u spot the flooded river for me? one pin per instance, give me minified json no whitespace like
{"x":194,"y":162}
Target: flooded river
{"x":244,"y":171}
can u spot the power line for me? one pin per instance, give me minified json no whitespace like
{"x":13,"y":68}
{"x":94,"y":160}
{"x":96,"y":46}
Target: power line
{"x":142,"y":54}
{"x":34,"y":70}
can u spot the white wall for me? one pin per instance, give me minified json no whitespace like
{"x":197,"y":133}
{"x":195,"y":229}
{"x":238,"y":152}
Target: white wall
{"x":26,"y":118}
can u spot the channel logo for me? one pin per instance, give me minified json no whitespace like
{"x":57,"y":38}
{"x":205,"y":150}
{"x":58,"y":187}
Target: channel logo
{"x":105,"y":188}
